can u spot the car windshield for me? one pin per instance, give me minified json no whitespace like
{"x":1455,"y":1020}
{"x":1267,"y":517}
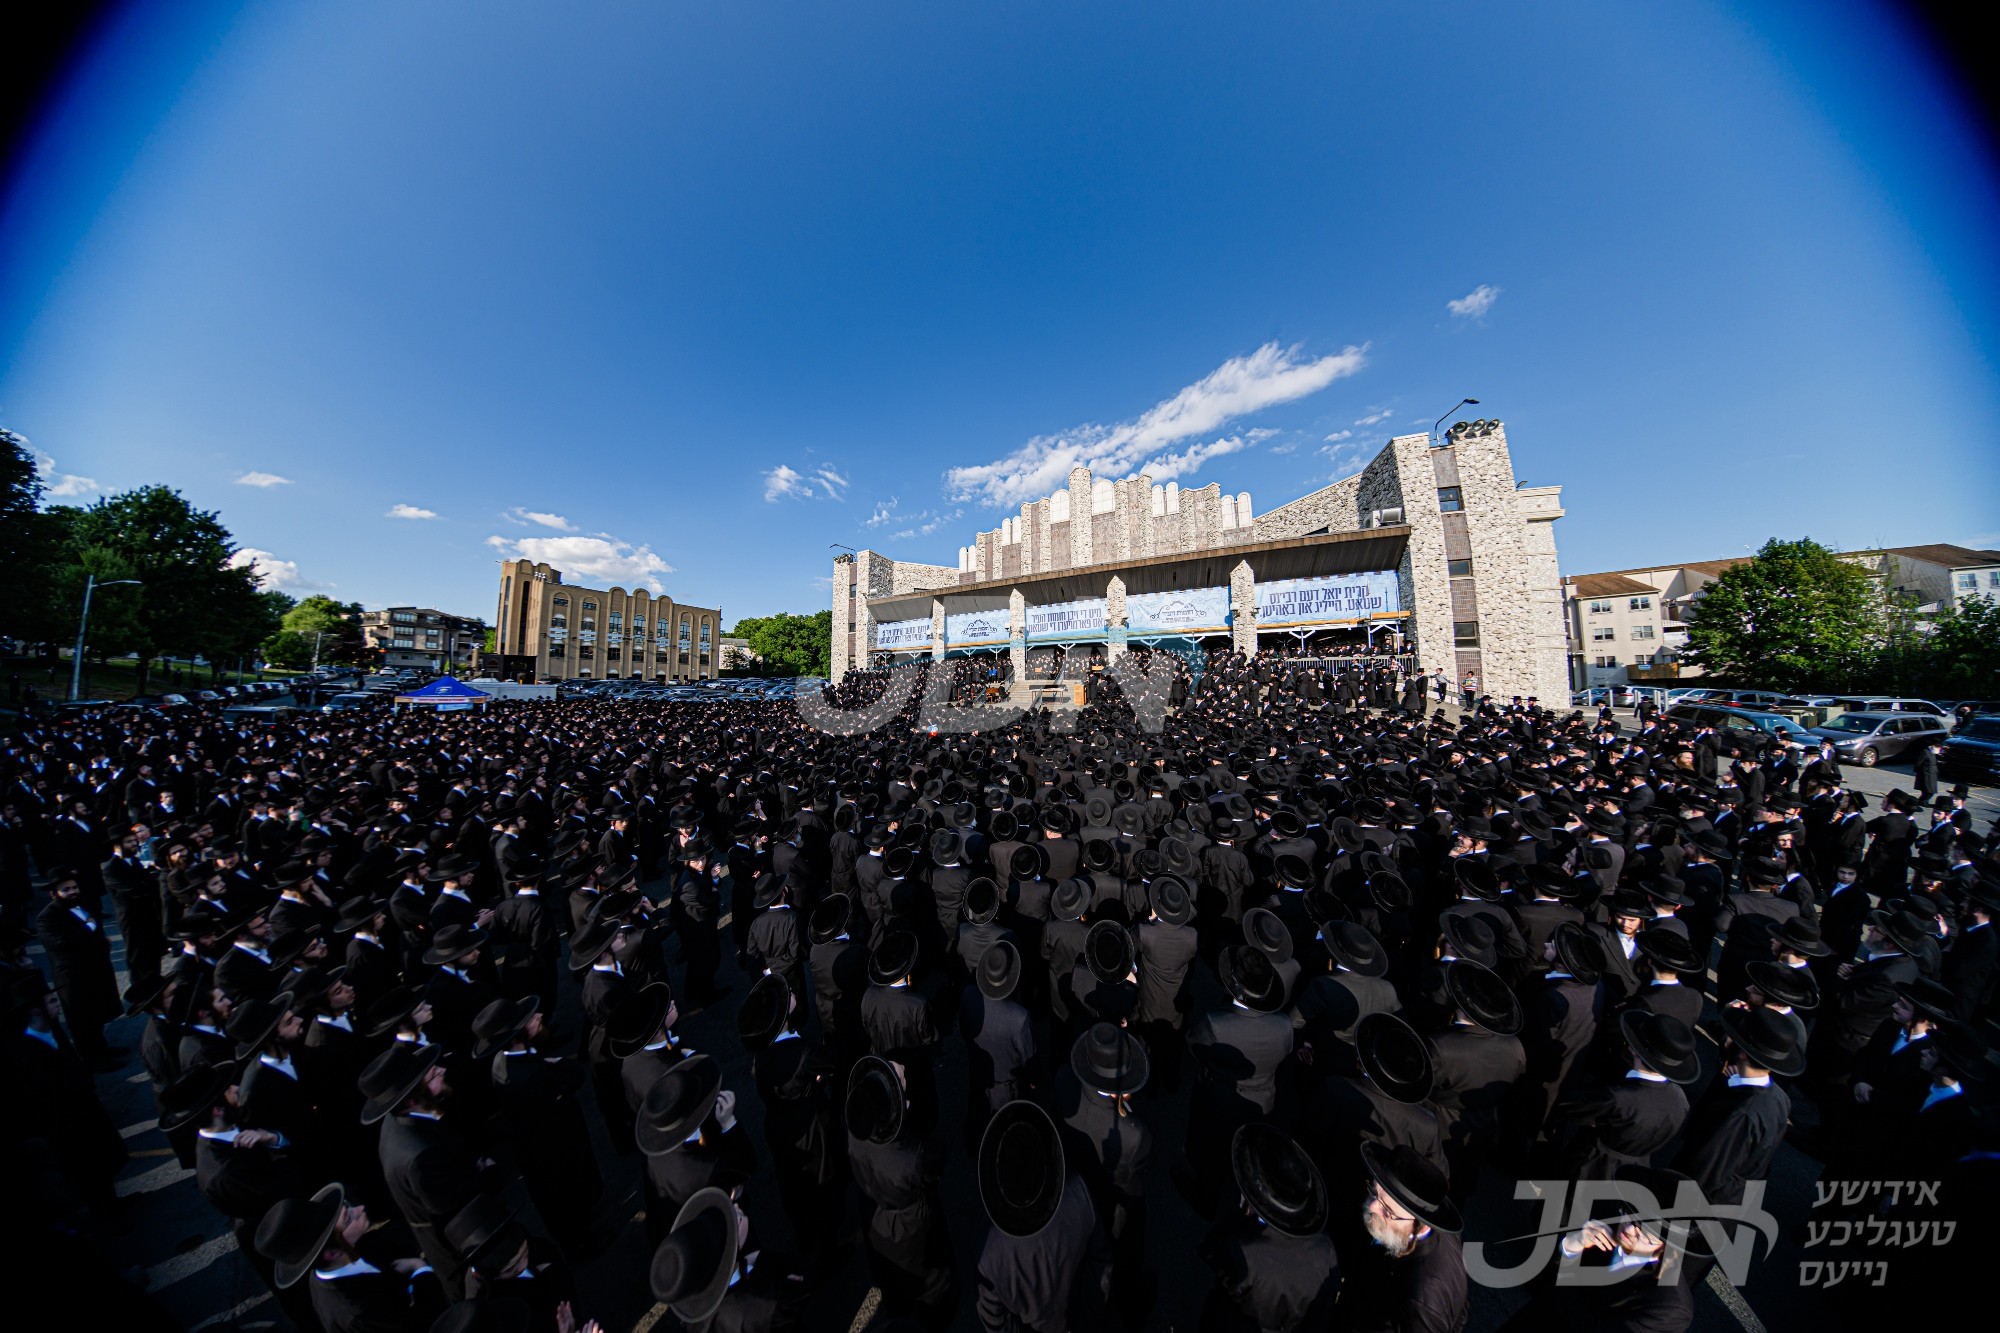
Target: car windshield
{"x":1982,"y":729}
{"x":1849,"y":722}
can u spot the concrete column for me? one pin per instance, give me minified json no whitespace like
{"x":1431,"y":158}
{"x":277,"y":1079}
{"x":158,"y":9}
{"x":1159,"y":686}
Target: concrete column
{"x":937,"y":629}
{"x":1017,"y":631}
{"x":1114,"y":617}
{"x":1243,"y":601}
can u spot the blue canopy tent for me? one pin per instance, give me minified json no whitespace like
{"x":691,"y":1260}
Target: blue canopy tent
{"x":446,"y":694}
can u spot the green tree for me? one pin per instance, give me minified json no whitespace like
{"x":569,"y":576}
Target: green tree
{"x":791,"y":645}
{"x":1795,"y":617}
{"x":191,"y":599}
{"x":335,"y":625}
{"x":34,"y":546}
{"x":1953,"y":655}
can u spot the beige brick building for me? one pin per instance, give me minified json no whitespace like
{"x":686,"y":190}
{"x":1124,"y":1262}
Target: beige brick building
{"x":552,"y":631}
{"x":423,"y":637}
{"x":1440,"y":545}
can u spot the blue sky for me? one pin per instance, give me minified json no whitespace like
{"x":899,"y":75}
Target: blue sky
{"x":683,"y":294}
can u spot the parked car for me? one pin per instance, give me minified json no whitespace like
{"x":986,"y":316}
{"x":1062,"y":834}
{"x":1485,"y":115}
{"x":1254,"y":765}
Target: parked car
{"x":1868,"y":738}
{"x":1972,"y":754}
{"x":347,"y":702}
{"x":1887,"y":703}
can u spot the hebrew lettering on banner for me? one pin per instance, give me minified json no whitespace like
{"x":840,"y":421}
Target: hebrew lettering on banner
{"x":1181,"y":611}
{"x":976,"y":629}
{"x":891,"y":635}
{"x":1066,"y":621}
{"x":1334,"y":597}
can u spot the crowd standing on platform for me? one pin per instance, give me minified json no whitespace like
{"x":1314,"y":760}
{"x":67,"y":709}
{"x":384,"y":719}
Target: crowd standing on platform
{"x":1376,"y":949}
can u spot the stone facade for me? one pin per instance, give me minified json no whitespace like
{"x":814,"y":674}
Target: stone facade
{"x":551,"y":630}
{"x":1476,"y":570}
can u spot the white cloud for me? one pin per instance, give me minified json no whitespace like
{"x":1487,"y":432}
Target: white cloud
{"x":824,"y":482}
{"x":925,"y":523}
{"x":64,"y":485}
{"x":1339,"y":435}
{"x":885,"y":512}
{"x":1238,"y":387}
{"x":409,"y":511}
{"x":1372,"y":419}
{"x":1189,"y":460}
{"x":1475,"y":303}
{"x":263,"y":479}
{"x":546,"y":520}
{"x":602,"y":559}
{"x":273,"y":573}
{"x":1289,"y":446}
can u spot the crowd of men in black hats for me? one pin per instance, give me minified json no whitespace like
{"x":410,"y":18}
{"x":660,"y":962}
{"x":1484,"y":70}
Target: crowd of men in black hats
{"x":1376,"y":952}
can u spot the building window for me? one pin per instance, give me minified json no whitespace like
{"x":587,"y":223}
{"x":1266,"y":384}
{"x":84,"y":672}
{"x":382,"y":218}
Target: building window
{"x":1968,"y":582}
{"x":1450,"y":500}
{"x":1600,"y":608}
{"x":590,"y":606}
{"x":404,"y":617}
{"x":617,"y":620}
{"x":1642,"y":631}
{"x":1606,"y":662}
{"x":1458,"y":569}
{"x":1993,"y":578}
{"x":1465,"y":633}
{"x":1641,"y":604}
{"x":638,"y":627}
{"x":1602,"y":634}
{"x":560,"y":601}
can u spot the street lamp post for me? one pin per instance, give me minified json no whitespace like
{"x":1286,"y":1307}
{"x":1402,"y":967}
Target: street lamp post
{"x":1463,"y":402}
{"x":90,"y":584}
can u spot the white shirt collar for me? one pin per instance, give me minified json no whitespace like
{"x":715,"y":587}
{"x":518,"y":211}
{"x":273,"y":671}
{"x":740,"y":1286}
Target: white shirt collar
{"x":1749,"y":1080}
{"x":1646,"y":1074}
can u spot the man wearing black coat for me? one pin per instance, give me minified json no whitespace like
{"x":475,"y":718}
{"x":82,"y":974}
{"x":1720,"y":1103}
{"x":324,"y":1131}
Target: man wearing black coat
{"x":537,"y":1100}
{"x":135,"y":893}
{"x":1237,"y":1053}
{"x":430,"y":1169}
{"x":79,"y":956}
{"x":897,"y":1175}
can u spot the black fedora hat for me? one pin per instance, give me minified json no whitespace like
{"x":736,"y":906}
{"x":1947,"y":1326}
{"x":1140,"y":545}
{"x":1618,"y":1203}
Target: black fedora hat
{"x":1022,"y":1170}
{"x":1667,"y":950}
{"x":1470,"y":938}
{"x":294,"y":1231}
{"x":1001,"y":826}
{"x":764,"y":1011}
{"x":193,"y":1093}
{"x":945,"y":846}
{"x":875,"y":1101}
{"x":676,"y":1105}
{"x":1767,"y":1039}
{"x":1355,"y":948}
{"x":1278,"y":1180}
{"x":255,"y":1021}
{"x":1480,"y":994}
{"x":1579,"y":952}
{"x":1801,"y":937}
{"x":144,"y":995}
{"x":1664,"y":1042}
{"x":1251,"y":979}
{"x":1294,"y":872}
{"x":1389,"y":891}
{"x":894,"y":958}
{"x":1070,"y":900}
{"x":1417,"y":1185}
{"x":1108,"y":951}
{"x":386,"y":1014}
{"x":828,"y":921}
{"x":770,"y":887}
{"x":982,"y":901}
{"x":1395,"y":1057}
{"x":1099,"y":854}
{"x":1028,"y":861}
{"x":691,"y":1269}
{"x":1477,"y":878}
{"x":356,"y":912}
{"x":589,"y":941}
{"x":637,"y":1018}
{"x":1263,"y":928}
{"x":452,"y":943}
{"x":1178,"y":857}
{"x":1170,"y":900}
{"x":496,"y":1025}
{"x":999,"y":970}
{"x":1781,"y":983}
{"x":1906,"y":930}
{"x":485,"y":1233}
{"x":392,"y":1076}
{"x":1111,"y":1059}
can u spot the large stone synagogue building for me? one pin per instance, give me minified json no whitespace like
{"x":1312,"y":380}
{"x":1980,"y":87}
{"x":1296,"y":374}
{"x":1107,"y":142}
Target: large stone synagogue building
{"x":1440,"y":545}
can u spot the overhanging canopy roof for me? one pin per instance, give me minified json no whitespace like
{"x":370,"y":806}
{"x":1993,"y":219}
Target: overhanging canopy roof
{"x":1286,"y":558}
